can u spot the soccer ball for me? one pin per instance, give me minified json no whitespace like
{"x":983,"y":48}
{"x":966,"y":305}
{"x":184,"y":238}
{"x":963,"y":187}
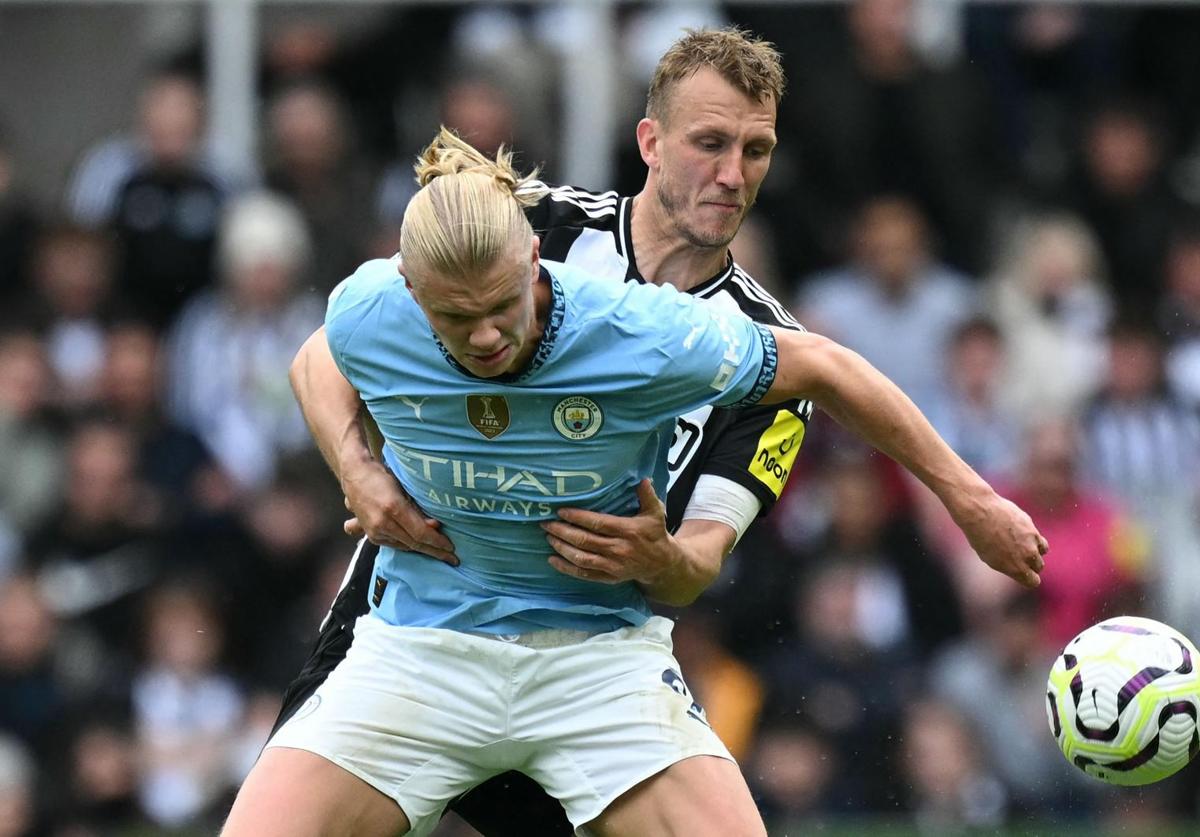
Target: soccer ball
{"x":1123,"y":698}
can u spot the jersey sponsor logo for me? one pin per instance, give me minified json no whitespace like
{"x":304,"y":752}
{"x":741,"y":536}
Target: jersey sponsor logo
{"x":578,"y":418}
{"x":416,"y":405}
{"x":493,"y":478}
{"x":777,"y":449}
{"x":488,"y":414}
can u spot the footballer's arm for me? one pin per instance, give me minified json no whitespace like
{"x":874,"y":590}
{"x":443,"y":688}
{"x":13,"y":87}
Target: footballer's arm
{"x":340,"y":424}
{"x":672,"y":569}
{"x":867,"y":403}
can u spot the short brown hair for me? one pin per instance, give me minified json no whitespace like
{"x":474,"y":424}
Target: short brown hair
{"x":748,"y":62}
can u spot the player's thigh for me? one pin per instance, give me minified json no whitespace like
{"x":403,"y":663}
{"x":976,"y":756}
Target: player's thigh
{"x":295,"y":793}
{"x":702,"y":796}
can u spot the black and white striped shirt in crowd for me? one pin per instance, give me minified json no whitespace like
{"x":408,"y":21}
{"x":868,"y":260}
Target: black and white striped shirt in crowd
{"x":1145,"y":450}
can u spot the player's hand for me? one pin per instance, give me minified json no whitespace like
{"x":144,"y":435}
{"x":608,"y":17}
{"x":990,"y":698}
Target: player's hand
{"x":1005,"y":539}
{"x":609,"y":548}
{"x":388,"y":517}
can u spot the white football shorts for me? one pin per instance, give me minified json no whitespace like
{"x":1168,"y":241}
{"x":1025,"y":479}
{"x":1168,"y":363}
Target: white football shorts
{"x":424,"y":714}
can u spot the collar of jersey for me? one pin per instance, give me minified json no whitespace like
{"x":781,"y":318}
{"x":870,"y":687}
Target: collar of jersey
{"x":558,"y":308}
{"x":633,"y":274}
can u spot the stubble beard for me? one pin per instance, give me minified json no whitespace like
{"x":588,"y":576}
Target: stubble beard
{"x":674,"y":208}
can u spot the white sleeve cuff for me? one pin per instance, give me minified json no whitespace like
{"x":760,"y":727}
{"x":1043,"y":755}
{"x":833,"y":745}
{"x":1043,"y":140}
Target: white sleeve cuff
{"x":723,"y":500}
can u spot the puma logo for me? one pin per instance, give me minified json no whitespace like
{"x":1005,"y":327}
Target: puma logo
{"x":416,"y":406}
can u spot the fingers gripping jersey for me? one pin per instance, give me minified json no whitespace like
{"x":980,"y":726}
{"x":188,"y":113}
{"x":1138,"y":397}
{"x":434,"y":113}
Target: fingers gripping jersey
{"x":754,"y":447}
{"x":589,"y":417}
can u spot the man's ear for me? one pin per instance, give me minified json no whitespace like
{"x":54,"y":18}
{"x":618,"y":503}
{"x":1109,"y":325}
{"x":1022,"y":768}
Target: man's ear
{"x":647,"y":140}
{"x":407,"y":281}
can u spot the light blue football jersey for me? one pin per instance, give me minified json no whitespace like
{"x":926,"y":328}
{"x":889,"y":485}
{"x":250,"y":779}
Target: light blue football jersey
{"x":589,"y":417}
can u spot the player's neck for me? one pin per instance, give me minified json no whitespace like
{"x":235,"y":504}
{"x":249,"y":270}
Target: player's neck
{"x":663,"y":256}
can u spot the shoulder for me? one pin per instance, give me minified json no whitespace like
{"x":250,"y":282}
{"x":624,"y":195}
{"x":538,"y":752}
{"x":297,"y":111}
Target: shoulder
{"x":597,"y":298}
{"x":370,"y":281}
{"x":376,"y":285}
{"x":569,"y":206}
{"x":739,"y":289}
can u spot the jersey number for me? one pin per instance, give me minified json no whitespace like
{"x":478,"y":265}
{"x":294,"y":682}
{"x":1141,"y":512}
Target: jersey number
{"x":685,"y":439}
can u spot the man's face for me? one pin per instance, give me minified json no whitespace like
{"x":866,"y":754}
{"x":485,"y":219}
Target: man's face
{"x":486,"y":324}
{"x":708,"y":155}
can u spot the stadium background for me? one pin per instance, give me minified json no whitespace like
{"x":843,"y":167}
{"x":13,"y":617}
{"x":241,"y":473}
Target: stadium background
{"x":996,"y":204}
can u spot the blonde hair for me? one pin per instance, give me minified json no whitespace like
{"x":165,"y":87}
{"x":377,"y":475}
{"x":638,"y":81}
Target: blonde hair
{"x":749,"y":63}
{"x":468,"y":212}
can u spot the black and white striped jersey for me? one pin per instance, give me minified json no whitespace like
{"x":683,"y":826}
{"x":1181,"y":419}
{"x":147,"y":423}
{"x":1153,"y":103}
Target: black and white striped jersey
{"x":755,"y":447}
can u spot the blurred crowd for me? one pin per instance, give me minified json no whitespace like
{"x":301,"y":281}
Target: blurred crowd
{"x":998,"y":206}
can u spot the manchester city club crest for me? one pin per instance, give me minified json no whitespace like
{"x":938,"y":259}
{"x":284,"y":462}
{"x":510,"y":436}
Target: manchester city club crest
{"x":488,"y":414}
{"x":578,"y":417}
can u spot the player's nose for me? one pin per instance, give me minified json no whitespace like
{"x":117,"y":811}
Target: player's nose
{"x":485,"y":338}
{"x":729,"y":172}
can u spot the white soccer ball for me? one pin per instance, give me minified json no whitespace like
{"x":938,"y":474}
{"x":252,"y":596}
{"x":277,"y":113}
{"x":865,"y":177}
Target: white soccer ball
{"x":1123,"y":699}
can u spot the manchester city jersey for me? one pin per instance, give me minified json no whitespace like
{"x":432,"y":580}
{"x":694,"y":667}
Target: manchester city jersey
{"x":589,"y":417}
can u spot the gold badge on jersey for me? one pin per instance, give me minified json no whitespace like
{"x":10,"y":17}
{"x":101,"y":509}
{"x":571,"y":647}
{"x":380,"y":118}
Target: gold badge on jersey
{"x":488,"y":414}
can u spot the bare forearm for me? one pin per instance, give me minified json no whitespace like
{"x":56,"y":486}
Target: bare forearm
{"x":701,"y":549}
{"x":331,"y":407}
{"x":867,"y":403}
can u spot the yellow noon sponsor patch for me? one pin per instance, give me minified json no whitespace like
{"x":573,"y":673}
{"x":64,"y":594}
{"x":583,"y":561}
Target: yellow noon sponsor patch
{"x":777,"y":449}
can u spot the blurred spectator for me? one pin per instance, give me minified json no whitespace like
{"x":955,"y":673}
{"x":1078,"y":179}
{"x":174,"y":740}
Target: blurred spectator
{"x":96,"y":794}
{"x":1052,"y":308}
{"x":167,"y":130}
{"x":1179,"y":311}
{"x":31,"y":694}
{"x":790,"y":773}
{"x":18,"y":781}
{"x":475,"y":105}
{"x":100,"y":546}
{"x":830,"y":676}
{"x":1041,"y":61}
{"x":159,"y":196}
{"x":1124,"y":195}
{"x":313,"y":162}
{"x":1143,"y":446}
{"x":186,"y":709}
{"x":950,"y":786}
{"x":229,"y":352}
{"x":996,"y":679}
{"x":268,"y":567}
{"x":31,"y":455}
{"x":1143,"y":443}
{"x":894,"y":303}
{"x":171,"y":459}
{"x":18,"y":226}
{"x":970,"y":411}
{"x":1097,"y":552}
{"x":70,"y":306}
{"x":878,"y":118}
